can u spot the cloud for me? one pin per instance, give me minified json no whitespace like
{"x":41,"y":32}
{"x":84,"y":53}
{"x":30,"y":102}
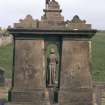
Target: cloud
{"x":91,"y":10}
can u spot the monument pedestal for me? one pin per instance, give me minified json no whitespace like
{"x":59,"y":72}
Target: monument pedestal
{"x":76,"y":97}
{"x":76,"y":80}
{"x":29,"y":83}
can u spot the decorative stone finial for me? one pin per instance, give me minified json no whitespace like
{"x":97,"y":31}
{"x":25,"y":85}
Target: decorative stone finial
{"x":77,"y":24}
{"x":52,"y":17}
{"x":27,"y":22}
{"x":53,"y":5}
{"x":76,"y":19}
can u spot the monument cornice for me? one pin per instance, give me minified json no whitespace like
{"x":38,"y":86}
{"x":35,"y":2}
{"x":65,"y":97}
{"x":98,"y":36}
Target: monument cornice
{"x":18,"y":32}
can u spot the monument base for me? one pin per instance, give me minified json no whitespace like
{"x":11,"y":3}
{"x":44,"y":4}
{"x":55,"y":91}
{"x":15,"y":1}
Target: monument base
{"x":82,"y":96}
{"x":29,"y":97}
{"x":19,"y":104}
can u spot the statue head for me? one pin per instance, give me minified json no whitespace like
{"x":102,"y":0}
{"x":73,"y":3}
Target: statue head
{"x":52,"y":50}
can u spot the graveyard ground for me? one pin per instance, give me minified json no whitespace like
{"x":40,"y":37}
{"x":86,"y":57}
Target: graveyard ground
{"x":98,"y":57}
{"x":6,"y":59}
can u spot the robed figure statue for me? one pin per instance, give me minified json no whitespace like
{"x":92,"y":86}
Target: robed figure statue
{"x":47,"y":1}
{"x":52,"y":62}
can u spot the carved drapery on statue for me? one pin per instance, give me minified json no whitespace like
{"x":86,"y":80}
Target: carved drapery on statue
{"x":47,"y":1}
{"x":52,"y":62}
{"x":52,"y":59}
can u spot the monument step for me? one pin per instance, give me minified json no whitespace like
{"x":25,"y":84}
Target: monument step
{"x":19,"y":103}
{"x":24,"y":104}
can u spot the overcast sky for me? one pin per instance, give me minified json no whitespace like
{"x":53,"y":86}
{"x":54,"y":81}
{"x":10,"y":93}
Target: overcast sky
{"x":93,"y":11}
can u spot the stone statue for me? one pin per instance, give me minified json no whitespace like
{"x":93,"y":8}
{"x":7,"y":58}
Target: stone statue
{"x":52,"y":62}
{"x":47,"y":1}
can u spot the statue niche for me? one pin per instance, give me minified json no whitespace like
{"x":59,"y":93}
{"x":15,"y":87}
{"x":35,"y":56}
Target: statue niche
{"x":52,"y":62}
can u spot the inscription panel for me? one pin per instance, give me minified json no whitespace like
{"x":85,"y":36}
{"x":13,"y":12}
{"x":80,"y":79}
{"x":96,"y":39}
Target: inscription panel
{"x":28,"y":64}
{"x":75,"y":81}
{"x":75,"y":72}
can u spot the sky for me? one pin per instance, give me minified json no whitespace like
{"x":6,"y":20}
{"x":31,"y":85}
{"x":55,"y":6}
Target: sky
{"x":93,"y":11}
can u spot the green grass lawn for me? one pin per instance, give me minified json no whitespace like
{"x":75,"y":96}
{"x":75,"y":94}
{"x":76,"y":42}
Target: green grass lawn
{"x":98,"y":57}
{"x":6,"y":59}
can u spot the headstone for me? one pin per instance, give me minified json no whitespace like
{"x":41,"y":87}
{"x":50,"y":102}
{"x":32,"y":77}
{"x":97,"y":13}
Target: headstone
{"x":2,"y":78}
{"x":51,"y":62}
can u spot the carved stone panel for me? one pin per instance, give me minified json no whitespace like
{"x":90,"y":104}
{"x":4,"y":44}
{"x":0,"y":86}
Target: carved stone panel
{"x":75,"y":70}
{"x":28,"y":72}
{"x":75,"y":82}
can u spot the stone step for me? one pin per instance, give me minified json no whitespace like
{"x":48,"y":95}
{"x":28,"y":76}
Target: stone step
{"x":19,"y":103}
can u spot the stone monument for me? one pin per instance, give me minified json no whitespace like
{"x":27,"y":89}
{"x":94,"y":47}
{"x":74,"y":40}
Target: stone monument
{"x":51,"y":60}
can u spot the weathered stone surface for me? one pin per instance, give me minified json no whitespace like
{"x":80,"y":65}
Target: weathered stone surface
{"x":28,"y":22}
{"x":28,"y":96}
{"x":76,"y":97}
{"x":28,"y":83}
{"x":20,"y":103}
{"x":29,"y":75}
{"x":52,"y":17}
{"x":29,"y":60}
{"x":77,"y":24}
{"x":75,"y":64}
{"x":76,"y":82}
{"x":28,"y":64}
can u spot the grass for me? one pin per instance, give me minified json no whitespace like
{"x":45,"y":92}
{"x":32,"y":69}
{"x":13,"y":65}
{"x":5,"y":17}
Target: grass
{"x":6,"y":59}
{"x":98,"y":57}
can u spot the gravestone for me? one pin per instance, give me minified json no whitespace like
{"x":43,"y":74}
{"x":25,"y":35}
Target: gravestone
{"x":51,"y":61}
{"x":2,"y":78}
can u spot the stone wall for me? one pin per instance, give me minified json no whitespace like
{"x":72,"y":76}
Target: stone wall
{"x":5,"y":40}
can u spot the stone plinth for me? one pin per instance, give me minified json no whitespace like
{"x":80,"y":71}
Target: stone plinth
{"x":52,"y":17}
{"x":28,"y":82}
{"x":76,"y":81}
